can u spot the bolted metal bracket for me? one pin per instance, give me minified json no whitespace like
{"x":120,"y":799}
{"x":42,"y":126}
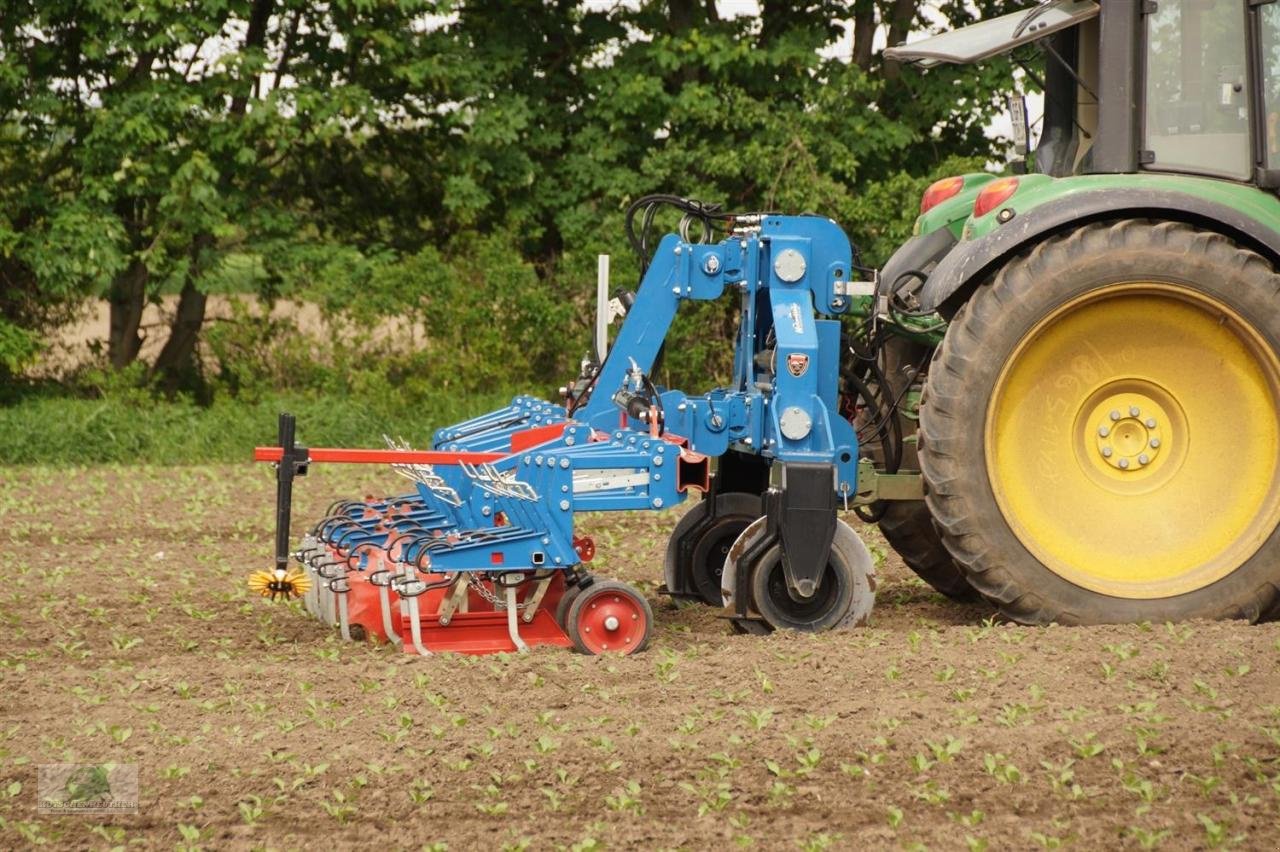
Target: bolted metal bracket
{"x":858,"y":288}
{"x":874,"y":485}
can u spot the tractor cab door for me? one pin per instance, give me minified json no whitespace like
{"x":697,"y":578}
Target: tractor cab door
{"x":1197,"y":89}
{"x":1267,"y":94}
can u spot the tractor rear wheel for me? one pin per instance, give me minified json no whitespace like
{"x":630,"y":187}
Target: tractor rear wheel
{"x":1101,"y":429}
{"x":908,"y":528}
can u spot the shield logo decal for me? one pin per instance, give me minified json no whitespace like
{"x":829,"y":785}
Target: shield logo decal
{"x":797,"y":364}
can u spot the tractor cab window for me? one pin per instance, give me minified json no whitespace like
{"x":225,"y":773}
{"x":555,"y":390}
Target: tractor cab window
{"x":1269,"y":31}
{"x":1197,"y":117}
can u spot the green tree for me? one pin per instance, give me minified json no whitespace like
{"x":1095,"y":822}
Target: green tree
{"x":332,"y":151}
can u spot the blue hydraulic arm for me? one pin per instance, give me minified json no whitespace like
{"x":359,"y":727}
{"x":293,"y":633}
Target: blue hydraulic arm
{"x":788,"y":271}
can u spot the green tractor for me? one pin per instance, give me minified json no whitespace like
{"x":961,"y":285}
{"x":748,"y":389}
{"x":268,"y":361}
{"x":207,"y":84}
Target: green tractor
{"x":1091,"y":346}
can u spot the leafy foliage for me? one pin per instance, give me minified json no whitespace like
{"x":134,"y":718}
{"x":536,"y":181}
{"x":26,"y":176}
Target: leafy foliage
{"x":454,"y":164}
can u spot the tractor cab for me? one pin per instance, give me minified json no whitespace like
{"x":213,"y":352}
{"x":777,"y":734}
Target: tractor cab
{"x":1183,"y":86}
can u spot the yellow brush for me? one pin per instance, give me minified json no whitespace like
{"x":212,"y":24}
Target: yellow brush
{"x":282,"y":582}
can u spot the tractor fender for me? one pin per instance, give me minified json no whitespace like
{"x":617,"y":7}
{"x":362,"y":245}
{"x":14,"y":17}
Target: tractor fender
{"x":972,"y":261}
{"x":918,"y":254}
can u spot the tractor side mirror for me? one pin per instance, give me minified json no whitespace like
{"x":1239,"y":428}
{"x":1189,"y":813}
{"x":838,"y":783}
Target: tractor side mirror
{"x":1017,"y":105}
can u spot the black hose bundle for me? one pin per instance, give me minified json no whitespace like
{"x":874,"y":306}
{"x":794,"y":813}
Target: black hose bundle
{"x":711,"y":218}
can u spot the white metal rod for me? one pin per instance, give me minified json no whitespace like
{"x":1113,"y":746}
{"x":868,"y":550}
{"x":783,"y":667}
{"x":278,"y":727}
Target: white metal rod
{"x":602,"y":306}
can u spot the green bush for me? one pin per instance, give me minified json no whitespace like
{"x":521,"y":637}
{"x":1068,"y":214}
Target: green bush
{"x":18,"y":348}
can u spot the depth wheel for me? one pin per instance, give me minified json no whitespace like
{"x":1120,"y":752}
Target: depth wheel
{"x":728,"y":580}
{"x":697,"y":550}
{"x":845,"y":595}
{"x":1101,"y":433}
{"x":609,"y":617}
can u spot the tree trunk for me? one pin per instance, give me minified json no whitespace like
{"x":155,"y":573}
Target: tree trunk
{"x":680,"y":16}
{"x":774,"y":15}
{"x":127,"y":299}
{"x":254,"y":38}
{"x":901,"y":16}
{"x":864,"y":32}
{"x":176,"y":363}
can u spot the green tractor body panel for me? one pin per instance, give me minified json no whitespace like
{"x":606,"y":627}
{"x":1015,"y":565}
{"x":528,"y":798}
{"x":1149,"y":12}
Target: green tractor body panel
{"x":954,"y":211}
{"x":1043,"y":205}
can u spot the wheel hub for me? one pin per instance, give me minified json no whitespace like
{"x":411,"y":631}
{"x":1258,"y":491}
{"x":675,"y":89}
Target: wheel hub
{"x":1129,"y":432}
{"x":611,"y":622}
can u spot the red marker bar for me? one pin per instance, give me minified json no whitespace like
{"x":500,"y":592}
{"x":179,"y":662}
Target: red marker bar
{"x":275,"y":454}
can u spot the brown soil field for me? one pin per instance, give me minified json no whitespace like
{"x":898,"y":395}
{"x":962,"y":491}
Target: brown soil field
{"x":130,"y":637}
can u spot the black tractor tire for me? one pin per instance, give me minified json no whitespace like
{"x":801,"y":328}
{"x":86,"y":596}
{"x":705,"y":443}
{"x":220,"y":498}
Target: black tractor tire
{"x":907,"y":525}
{"x":562,"y":607}
{"x":999,"y":325}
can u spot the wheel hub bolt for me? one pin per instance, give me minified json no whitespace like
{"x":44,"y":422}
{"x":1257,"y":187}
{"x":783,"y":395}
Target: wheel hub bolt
{"x":611,"y":623}
{"x":1124,"y":464}
{"x":1134,"y":411}
{"x":1151,"y":423}
{"x":1155,"y":443}
{"x":1106,"y":452}
{"x":1115,"y":415}
{"x":1104,"y":431}
{"x":1144,"y":458}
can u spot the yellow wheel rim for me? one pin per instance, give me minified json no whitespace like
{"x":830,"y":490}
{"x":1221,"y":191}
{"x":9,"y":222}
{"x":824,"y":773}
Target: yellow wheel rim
{"x":1132,"y":441}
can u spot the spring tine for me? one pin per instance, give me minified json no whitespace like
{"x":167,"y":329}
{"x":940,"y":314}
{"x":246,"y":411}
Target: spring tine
{"x":384,"y":601}
{"x":344,"y":622}
{"x":330,"y":606}
{"x":415,"y":625}
{"x":512,"y":626}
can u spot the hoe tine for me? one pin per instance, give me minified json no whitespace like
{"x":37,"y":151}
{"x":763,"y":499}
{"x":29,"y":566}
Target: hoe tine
{"x":383,"y":578}
{"x":409,"y":590}
{"x":512,"y":623}
{"x":340,"y":587}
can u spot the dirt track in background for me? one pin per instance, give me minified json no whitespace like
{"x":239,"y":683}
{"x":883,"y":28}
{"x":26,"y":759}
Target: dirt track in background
{"x":129,"y":637}
{"x":75,"y":343}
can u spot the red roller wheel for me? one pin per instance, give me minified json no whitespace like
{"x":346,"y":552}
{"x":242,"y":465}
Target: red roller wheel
{"x":609,"y":617}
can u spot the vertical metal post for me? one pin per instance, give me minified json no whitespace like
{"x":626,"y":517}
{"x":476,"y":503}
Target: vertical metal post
{"x":602,"y":306}
{"x":1121,"y":101}
{"x":293,"y":463}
